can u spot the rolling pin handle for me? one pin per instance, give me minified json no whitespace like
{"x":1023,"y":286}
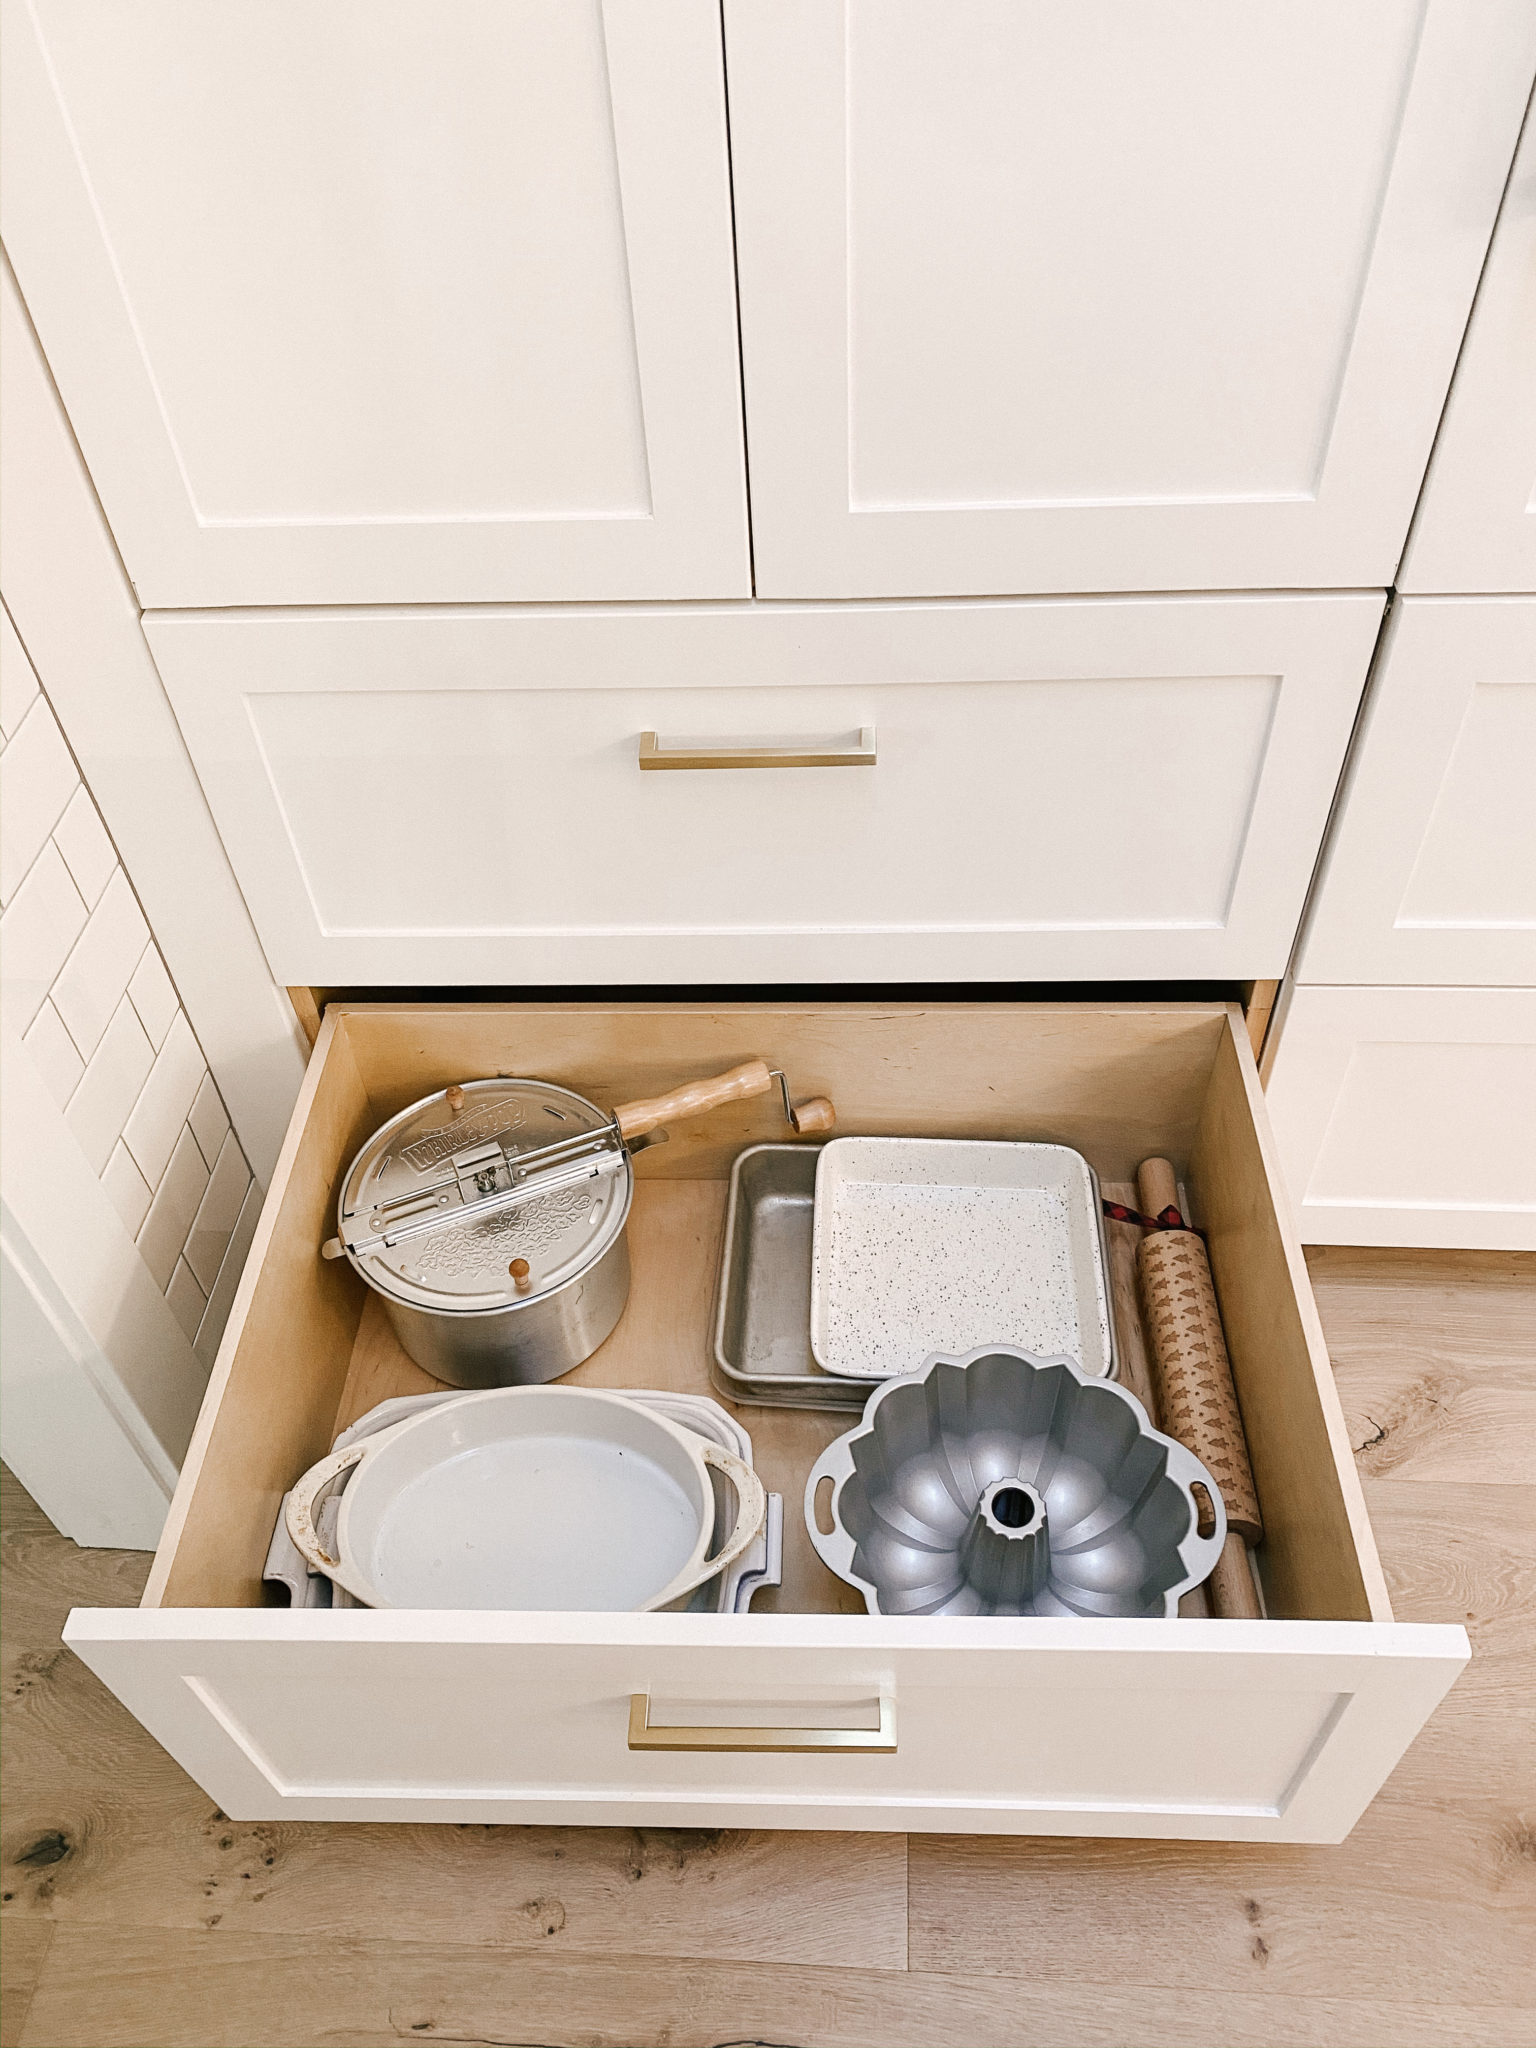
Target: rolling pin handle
{"x":1157,"y":1188}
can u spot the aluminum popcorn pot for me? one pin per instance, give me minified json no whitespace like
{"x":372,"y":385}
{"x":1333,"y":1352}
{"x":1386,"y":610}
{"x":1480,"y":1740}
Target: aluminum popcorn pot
{"x":490,"y":1219}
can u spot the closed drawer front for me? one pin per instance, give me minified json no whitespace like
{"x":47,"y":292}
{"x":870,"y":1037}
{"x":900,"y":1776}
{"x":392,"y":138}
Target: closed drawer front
{"x":1430,"y":874}
{"x":1056,"y":791}
{"x":1276,"y":1729}
{"x":1404,"y":1115}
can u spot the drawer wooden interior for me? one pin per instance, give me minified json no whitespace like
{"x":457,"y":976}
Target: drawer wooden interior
{"x":308,"y":1348}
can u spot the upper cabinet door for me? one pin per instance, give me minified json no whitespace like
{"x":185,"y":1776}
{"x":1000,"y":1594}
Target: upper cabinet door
{"x":381,"y":301}
{"x":1476,"y":524}
{"x":1066,"y":295}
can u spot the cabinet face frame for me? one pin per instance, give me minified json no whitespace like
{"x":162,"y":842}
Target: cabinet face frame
{"x":1261,"y":695}
{"x":1475,"y":528}
{"x":1441,"y":176}
{"x":659,"y":64}
{"x":1446,"y":750}
{"x":1278,"y":1730}
{"x":1402,"y":1116}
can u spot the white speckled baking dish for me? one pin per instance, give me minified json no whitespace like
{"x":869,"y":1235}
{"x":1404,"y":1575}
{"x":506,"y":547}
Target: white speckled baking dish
{"x":943,"y":1244}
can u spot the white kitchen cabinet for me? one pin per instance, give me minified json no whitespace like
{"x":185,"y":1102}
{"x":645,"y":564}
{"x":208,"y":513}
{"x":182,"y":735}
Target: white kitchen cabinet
{"x":1407,"y":1116}
{"x":1476,"y":524}
{"x":1106,"y":296}
{"x":1272,"y":1730}
{"x":1058,"y":790}
{"x":1430,"y":869}
{"x":385,"y":302}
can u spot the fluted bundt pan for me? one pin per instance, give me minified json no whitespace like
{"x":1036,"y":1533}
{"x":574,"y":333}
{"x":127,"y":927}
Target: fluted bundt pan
{"x":1002,"y":1483}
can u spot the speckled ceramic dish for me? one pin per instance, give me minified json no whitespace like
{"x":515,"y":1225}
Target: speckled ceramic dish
{"x":998,"y":1483}
{"x":943,"y":1244}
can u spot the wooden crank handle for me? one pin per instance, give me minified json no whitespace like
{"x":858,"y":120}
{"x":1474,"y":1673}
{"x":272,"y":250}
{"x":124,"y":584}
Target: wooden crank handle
{"x":815,"y":1115}
{"x":752,"y":1077}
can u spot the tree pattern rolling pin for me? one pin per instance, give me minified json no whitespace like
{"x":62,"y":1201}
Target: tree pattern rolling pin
{"x":1194,"y":1378}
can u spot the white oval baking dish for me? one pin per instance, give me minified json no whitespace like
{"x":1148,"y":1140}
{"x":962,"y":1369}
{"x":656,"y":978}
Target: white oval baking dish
{"x":527,"y":1499}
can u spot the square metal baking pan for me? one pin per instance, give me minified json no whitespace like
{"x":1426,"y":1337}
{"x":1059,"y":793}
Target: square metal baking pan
{"x":762,"y":1332}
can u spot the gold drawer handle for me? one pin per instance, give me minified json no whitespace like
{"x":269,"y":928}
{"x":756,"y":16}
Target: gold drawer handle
{"x":808,"y":1741}
{"x":654,"y":753}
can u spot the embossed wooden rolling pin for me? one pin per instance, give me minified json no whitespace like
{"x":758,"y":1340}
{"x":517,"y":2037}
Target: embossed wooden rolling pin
{"x":1194,"y":1381}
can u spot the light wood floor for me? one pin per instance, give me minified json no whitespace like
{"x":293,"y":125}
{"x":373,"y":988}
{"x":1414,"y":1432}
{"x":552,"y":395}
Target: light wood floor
{"x":133,"y":1912}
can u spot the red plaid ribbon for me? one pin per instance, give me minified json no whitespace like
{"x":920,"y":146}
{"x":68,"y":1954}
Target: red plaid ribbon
{"x":1169,"y":1219}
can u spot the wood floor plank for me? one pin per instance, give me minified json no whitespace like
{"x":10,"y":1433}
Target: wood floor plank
{"x":793,"y":1898}
{"x":1435,"y":1357}
{"x":1421,"y":1903}
{"x":1465,"y":1554}
{"x":122,"y":1988}
{"x":23,"y":1946}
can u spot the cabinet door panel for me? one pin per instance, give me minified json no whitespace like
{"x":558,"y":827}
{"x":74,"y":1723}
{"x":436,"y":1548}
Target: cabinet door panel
{"x":1404,"y":1115}
{"x":1105,"y":296}
{"x":377,"y":302}
{"x":1430,"y":873}
{"x":1476,"y":524}
{"x":1062,"y":789}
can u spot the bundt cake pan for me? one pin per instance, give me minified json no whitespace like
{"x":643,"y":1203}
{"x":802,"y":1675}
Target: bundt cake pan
{"x":1002,"y":1483}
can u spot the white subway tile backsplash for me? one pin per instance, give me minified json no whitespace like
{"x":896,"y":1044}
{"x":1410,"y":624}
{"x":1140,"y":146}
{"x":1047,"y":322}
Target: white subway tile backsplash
{"x":218,"y":1214}
{"x":209,"y":1123}
{"x":171,"y":1212}
{"x":114,"y":1075}
{"x":18,"y":685}
{"x":222,"y":1299}
{"x":88,"y":853}
{"x":37,"y":780}
{"x":40,"y":925}
{"x":186,"y":1299}
{"x":160,"y":1114}
{"x":95,"y":978}
{"x":54,"y":1051}
{"x":127,"y":1188}
{"x":83,"y":981}
{"x":152,"y":996}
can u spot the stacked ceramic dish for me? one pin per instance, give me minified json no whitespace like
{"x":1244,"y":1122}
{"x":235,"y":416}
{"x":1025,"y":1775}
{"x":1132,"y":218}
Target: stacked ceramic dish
{"x":533,"y":1498}
{"x":850,"y":1263}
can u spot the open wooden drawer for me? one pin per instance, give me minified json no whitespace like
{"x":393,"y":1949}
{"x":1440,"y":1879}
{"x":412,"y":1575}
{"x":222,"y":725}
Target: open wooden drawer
{"x":1278,"y":1730}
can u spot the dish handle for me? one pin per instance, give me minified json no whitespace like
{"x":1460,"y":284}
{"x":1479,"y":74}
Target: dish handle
{"x":306,"y":1494}
{"x":836,"y":1550}
{"x":751,"y":1507}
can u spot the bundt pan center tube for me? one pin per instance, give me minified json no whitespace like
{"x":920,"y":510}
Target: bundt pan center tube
{"x":1002,"y":1483}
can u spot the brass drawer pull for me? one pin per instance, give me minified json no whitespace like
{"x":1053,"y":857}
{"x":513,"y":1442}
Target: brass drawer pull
{"x":809,"y":753}
{"x":811,"y":1741}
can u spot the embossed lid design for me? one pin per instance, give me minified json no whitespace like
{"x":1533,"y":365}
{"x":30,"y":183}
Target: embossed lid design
{"x":463,"y":1268}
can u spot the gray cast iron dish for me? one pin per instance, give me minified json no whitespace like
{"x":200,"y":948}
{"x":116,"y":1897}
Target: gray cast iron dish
{"x":1002,"y":1483}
